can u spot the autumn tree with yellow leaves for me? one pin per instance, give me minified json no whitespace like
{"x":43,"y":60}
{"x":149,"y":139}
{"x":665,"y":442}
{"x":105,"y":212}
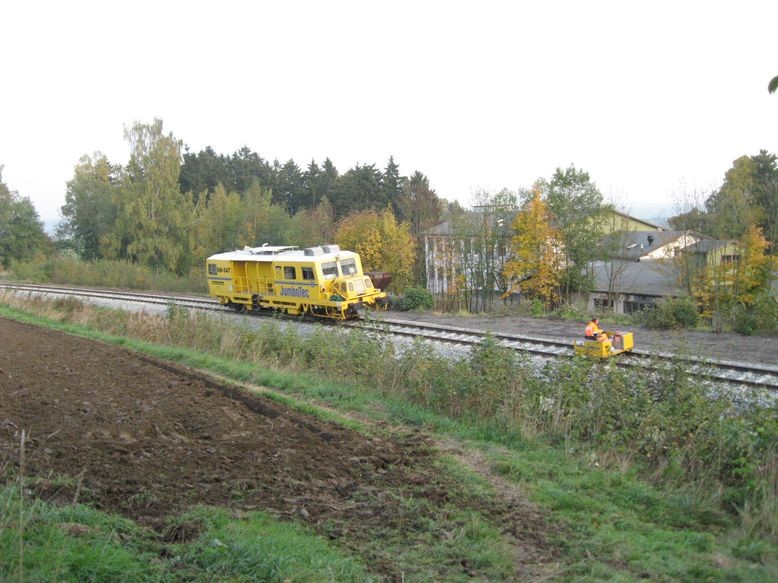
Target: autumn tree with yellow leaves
{"x":735,"y":276}
{"x":752,"y":270}
{"x":383,"y":244}
{"x":535,"y":266}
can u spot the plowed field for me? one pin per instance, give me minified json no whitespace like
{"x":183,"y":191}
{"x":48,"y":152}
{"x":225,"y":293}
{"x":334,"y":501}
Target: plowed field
{"x":148,"y":440}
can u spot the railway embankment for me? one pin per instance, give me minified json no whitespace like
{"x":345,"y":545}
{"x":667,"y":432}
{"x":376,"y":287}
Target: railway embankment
{"x":703,"y":344}
{"x":598,"y":461}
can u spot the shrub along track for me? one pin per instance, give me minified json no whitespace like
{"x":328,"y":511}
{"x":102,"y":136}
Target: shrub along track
{"x":148,"y":440}
{"x":737,"y":360}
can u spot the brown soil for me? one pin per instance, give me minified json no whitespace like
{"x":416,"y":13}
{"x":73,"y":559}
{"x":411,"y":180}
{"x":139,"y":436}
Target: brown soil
{"x":149,"y":440}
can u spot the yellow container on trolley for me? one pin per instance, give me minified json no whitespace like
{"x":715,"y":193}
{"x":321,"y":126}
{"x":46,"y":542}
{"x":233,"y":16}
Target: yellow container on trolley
{"x":617,"y":343}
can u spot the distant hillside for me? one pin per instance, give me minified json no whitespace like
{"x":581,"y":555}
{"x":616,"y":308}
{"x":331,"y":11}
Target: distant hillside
{"x":660,"y":220}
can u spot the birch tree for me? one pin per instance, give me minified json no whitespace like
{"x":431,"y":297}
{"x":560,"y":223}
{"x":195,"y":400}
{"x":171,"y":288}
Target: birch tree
{"x":151,"y":211}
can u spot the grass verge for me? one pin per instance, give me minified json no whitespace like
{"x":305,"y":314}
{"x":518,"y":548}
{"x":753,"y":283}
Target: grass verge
{"x":617,"y":526}
{"x":79,"y":543}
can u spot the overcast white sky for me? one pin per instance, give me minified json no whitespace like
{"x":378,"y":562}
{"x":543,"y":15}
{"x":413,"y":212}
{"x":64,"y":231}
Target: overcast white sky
{"x":651,"y":98}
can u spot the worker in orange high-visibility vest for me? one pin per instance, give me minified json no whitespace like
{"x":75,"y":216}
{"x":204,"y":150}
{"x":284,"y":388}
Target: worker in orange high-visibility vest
{"x":593,"y":331}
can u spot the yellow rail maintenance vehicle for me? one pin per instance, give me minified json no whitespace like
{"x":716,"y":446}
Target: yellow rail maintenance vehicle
{"x":320,"y":281}
{"x":616,"y":343}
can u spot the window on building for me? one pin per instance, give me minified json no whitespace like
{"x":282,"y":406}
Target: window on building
{"x":603,"y":304}
{"x":635,"y":307}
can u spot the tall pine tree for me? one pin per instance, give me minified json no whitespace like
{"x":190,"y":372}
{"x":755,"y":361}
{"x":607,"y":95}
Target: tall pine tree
{"x":391,"y":185}
{"x":421,"y":208}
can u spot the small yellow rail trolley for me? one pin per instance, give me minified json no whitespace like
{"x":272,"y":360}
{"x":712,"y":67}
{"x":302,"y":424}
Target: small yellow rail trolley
{"x":617,"y":343}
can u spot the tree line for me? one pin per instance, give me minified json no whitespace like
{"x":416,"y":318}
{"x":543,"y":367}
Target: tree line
{"x":22,"y":237}
{"x":748,"y":197}
{"x":538,"y":242}
{"x":543,"y":242}
{"x":743,"y":214}
{"x":168,"y":208}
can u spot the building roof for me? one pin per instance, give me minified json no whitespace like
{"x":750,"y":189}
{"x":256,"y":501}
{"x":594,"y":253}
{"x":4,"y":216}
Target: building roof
{"x":636,"y":244}
{"x":708,"y":245}
{"x":654,"y":278}
{"x":446,"y":228}
{"x":637,"y":220}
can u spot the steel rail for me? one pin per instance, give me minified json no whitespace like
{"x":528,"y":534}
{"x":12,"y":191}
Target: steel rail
{"x":752,"y":374}
{"x":139,"y":297}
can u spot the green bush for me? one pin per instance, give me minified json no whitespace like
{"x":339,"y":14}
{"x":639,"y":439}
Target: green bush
{"x":65,"y":268}
{"x":31,"y":271}
{"x":416,"y":298}
{"x":761,"y":317}
{"x":685,"y":312}
{"x":669,"y":313}
{"x":660,"y":316}
{"x":744,"y":321}
{"x":538,"y":309}
{"x":571,"y":311}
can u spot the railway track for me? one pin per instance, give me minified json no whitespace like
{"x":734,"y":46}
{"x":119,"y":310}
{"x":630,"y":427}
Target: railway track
{"x":752,"y":374}
{"x":738,"y":373}
{"x":116,"y":296}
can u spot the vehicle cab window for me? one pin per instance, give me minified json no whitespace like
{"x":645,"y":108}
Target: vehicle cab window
{"x":348,"y":267}
{"x":329,"y":270}
{"x":290,"y":272}
{"x":308,"y":274}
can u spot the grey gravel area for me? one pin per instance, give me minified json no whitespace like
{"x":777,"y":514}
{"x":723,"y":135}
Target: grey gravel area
{"x":726,"y":346}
